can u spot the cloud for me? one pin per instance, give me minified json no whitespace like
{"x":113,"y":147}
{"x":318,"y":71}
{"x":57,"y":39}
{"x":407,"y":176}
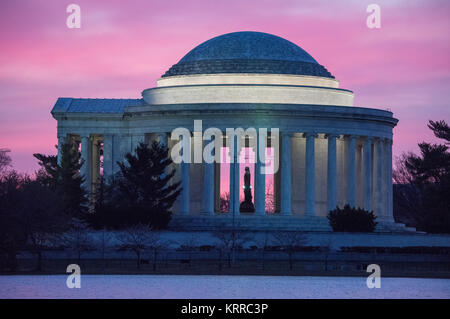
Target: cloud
{"x":124,"y":47}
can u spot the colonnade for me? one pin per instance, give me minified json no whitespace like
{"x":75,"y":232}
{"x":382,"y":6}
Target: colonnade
{"x":376,"y":164}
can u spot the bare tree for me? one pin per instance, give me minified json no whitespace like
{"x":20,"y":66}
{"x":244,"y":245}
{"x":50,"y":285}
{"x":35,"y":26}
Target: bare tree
{"x":156,"y":246}
{"x":39,"y":241}
{"x":290,"y":241}
{"x":189,"y":245}
{"x":102,"y":244}
{"x":224,"y":202}
{"x":40,"y":217}
{"x":262,"y":244}
{"x":77,"y":238}
{"x":5,"y":159}
{"x":325,"y":247}
{"x":224,"y":246}
{"x":401,"y":174}
{"x":139,"y":238}
{"x":407,"y":196}
{"x":229,"y":242}
{"x":270,"y":198}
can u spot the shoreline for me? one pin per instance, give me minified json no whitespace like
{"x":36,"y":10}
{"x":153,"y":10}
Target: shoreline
{"x":439,"y":270}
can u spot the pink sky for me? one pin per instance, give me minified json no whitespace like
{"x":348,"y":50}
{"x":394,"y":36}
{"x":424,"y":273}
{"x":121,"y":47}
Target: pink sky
{"x":247,"y":159}
{"x":124,"y":46}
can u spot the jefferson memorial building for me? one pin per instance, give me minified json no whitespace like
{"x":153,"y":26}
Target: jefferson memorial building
{"x":328,"y":152}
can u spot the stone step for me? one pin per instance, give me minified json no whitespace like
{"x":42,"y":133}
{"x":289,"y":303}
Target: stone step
{"x":269,"y":223}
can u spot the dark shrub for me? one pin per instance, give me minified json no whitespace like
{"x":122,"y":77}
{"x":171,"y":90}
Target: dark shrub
{"x":351,"y":219}
{"x":118,"y":217}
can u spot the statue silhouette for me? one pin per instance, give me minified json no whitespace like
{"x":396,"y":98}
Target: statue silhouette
{"x":247,"y":205}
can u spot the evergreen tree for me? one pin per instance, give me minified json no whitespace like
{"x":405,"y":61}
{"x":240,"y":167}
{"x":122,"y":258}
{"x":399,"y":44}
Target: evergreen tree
{"x":427,"y":177}
{"x":142,"y":192}
{"x":41,"y":217}
{"x":12,"y":234}
{"x":352,"y":219}
{"x":65,"y":179}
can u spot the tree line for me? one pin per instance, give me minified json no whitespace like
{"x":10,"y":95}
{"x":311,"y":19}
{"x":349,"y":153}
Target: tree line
{"x":36,"y":209}
{"x":143,"y":191}
{"x":422,"y":184}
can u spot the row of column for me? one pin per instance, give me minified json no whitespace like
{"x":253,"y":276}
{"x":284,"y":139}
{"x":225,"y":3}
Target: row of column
{"x":377,"y":185}
{"x":90,"y":156}
{"x":377,"y":194}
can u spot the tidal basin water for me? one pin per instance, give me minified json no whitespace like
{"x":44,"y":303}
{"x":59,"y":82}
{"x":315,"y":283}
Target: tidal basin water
{"x":194,"y":287}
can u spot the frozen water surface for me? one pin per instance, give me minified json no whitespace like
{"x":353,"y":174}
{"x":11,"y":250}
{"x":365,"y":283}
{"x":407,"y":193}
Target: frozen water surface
{"x":193,"y":287}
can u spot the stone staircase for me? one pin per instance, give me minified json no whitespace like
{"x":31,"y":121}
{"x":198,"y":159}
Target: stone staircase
{"x":393,"y":227}
{"x":269,"y":222}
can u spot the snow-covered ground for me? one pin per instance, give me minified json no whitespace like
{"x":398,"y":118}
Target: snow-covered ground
{"x":192,"y":287}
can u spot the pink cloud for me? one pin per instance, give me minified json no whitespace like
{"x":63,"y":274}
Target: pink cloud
{"x":123,"y":47}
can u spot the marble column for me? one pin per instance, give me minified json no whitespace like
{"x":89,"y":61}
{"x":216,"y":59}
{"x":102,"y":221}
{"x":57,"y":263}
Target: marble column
{"x":286,"y":173}
{"x":185,"y":185}
{"x":208,"y":188}
{"x":125,"y":147}
{"x":351,"y":170}
{"x":86,"y":155}
{"x":359,"y":176}
{"x":310,"y":176}
{"x":117,"y":152}
{"x":389,"y":193}
{"x":234,"y":176}
{"x":95,"y":161}
{"x":136,"y":139}
{"x":231,"y":140}
{"x":108,"y":159}
{"x":163,"y":139}
{"x":367,"y":158}
{"x":62,"y":139}
{"x":379,"y":185}
{"x":260,"y":179}
{"x":332,"y":172}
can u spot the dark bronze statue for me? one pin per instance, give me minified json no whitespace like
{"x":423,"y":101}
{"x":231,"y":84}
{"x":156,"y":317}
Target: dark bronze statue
{"x":247,"y":205}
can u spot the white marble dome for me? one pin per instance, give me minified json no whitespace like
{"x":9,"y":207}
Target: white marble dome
{"x":248,"y":67}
